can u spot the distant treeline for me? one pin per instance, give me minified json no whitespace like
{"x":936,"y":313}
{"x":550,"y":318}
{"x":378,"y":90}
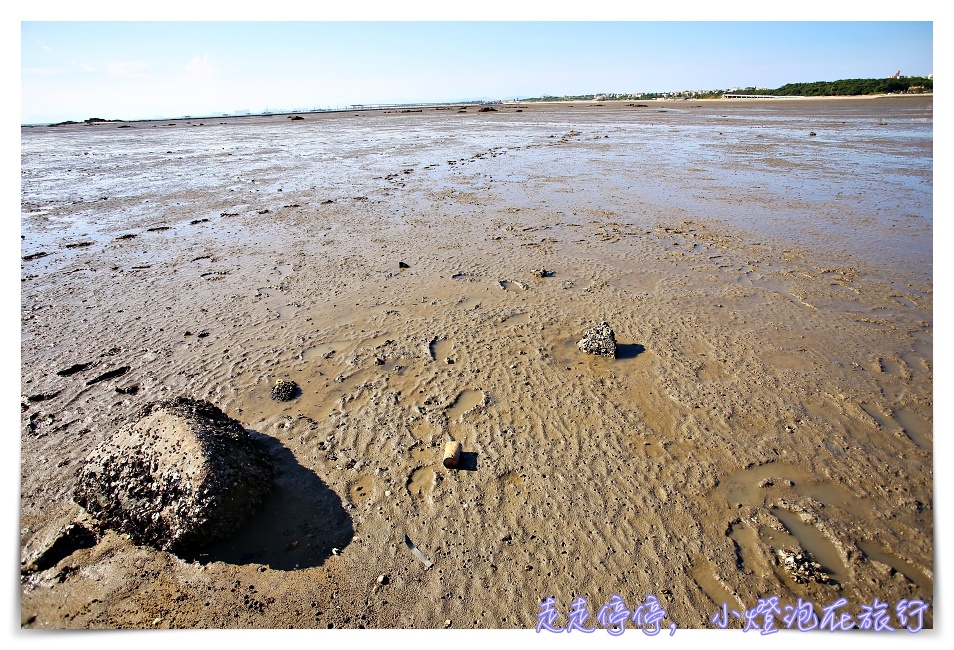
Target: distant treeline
{"x":848,"y":87}
{"x":808,"y":89}
{"x":91,"y":120}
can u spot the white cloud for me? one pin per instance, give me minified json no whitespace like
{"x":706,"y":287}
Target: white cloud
{"x":200,"y":67}
{"x":44,"y":71}
{"x":125,"y":69}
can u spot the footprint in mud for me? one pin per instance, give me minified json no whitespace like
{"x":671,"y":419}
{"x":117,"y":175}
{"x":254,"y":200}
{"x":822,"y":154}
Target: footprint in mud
{"x":362,"y":489}
{"x":469,"y":277}
{"x":874,"y":552}
{"x":894,"y":368}
{"x":877,"y":415}
{"x":508,"y":285}
{"x":421,"y":481}
{"x":902,"y":302}
{"x":517,"y":319}
{"x":42,"y":397}
{"x":322,"y":350}
{"x":915,"y":427}
{"x":440,"y":349}
{"x":745,"y":540}
{"x":75,"y":368}
{"x":704,"y":576}
{"x":467,"y":400}
{"x":420,"y":429}
{"x":815,"y":542}
{"x":915,"y":363}
{"x":111,"y":374}
{"x":925,"y":351}
{"x":758,"y":485}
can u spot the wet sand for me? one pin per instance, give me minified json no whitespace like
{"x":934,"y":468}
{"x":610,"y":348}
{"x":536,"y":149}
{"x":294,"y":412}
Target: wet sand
{"x":771,"y":292}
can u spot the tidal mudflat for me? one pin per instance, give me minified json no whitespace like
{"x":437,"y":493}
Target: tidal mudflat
{"x":766,"y":427}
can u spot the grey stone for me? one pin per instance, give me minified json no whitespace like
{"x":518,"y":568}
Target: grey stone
{"x":181,"y":474}
{"x":599,"y":340}
{"x":801,"y":567}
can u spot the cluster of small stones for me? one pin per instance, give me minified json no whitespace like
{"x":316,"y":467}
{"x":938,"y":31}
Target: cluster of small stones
{"x":180,"y":475}
{"x":284,"y":390}
{"x":801,"y":567}
{"x":599,"y":340}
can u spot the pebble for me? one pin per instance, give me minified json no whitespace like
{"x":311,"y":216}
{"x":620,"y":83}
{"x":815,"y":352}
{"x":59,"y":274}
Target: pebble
{"x":336,"y":551}
{"x":382,"y":579}
{"x":284,"y":390}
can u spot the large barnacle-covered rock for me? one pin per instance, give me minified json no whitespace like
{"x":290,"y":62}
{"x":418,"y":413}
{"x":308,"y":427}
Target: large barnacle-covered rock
{"x":181,"y":474}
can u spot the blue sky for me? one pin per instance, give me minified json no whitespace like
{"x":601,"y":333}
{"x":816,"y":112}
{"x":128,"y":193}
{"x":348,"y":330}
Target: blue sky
{"x":146,"y":69}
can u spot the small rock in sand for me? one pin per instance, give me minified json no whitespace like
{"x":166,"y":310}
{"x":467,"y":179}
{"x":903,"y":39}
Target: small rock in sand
{"x":539,"y":273}
{"x":801,"y":567}
{"x":599,"y":340}
{"x":284,"y":390}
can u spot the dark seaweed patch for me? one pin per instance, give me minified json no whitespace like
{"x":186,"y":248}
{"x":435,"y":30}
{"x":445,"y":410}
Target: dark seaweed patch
{"x":42,"y":397}
{"x":75,"y":368}
{"x":118,"y":372}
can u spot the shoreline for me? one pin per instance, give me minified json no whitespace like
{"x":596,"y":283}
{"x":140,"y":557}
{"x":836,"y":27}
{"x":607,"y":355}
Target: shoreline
{"x":446,"y":106}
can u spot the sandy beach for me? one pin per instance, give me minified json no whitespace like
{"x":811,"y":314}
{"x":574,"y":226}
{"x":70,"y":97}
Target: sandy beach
{"x":766,"y":268}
